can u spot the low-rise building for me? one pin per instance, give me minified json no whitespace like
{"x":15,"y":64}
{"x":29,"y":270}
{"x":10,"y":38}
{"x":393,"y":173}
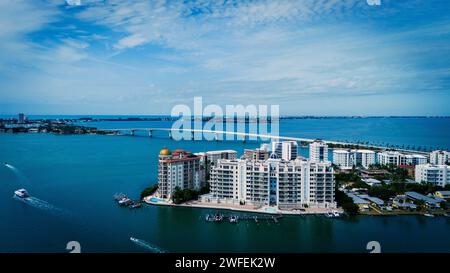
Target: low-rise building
{"x":371,"y":181}
{"x":429,"y":201}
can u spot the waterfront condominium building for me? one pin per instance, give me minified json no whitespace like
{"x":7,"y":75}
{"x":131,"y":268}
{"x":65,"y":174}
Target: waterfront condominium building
{"x":415,"y":159}
{"x":391,"y":157}
{"x":435,"y":174}
{"x":364,"y":158}
{"x":273,"y":182}
{"x":397,"y":158}
{"x":179,"y":169}
{"x":439,"y":157}
{"x":342,"y":158}
{"x":318,"y":151}
{"x":346,"y":159}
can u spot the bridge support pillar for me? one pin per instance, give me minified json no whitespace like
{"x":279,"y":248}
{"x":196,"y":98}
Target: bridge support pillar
{"x":216,"y":137}
{"x":192,"y":136}
{"x":132,"y":132}
{"x":170,"y":134}
{"x":150,"y":133}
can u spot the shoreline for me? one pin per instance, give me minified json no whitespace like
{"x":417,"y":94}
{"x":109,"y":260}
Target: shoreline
{"x":199,"y":205}
{"x":311,"y":212}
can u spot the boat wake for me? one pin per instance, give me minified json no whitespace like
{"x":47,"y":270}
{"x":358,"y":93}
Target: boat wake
{"x":21,"y":177}
{"x":41,"y":204}
{"x":146,"y":245}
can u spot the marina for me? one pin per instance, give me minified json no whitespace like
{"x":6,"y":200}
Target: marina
{"x":231,"y":218}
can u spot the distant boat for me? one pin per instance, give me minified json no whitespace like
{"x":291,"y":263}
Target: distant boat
{"x":446,"y":214}
{"x":428,"y":215}
{"x":21,"y":193}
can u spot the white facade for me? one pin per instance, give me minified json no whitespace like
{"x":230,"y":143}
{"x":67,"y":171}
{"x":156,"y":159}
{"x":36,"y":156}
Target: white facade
{"x":391,"y":157}
{"x":346,"y":159}
{"x":439,"y":157}
{"x":287,"y":150}
{"x":343,"y":159}
{"x":397,"y":158}
{"x":415,"y":159}
{"x":318,"y":151}
{"x":364,"y":158}
{"x":274,"y":182}
{"x":436,"y":174}
{"x":213,"y":156}
{"x":180,"y":169}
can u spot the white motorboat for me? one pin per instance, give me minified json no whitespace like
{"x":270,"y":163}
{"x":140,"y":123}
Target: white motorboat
{"x":21,"y":193}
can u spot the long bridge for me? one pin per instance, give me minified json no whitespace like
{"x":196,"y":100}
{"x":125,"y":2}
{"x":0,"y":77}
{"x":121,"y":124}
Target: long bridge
{"x":251,"y":136}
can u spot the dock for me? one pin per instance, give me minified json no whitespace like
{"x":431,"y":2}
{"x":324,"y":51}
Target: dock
{"x":232,"y":218}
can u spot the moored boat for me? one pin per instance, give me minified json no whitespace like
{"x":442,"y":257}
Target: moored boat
{"x":233,"y":219}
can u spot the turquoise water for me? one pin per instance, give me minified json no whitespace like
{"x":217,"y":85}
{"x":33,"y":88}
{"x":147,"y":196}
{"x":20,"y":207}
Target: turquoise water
{"x":78,"y":175}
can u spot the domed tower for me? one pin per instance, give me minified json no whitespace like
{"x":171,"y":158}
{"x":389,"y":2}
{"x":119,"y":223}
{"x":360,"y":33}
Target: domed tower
{"x":164,"y":152}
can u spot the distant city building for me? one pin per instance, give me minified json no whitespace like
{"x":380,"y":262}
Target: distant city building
{"x":274,"y":182}
{"x":439,"y":157}
{"x":213,"y":156}
{"x":21,"y":118}
{"x":277,"y":148}
{"x":179,"y":169}
{"x":261,"y":153}
{"x":318,"y":151}
{"x":438,"y":175}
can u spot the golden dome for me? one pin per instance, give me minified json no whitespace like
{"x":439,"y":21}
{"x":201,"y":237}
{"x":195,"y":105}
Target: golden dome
{"x":164,"y":151}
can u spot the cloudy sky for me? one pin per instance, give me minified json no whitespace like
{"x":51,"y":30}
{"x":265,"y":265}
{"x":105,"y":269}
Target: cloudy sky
{"x":312,"y":57}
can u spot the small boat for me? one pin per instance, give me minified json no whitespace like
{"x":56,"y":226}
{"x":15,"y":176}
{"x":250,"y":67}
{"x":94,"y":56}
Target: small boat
{"x":446,"y":214}
{"x":428,"y":215}
{"x":233,"y":219}
{"x":136,"y":205}
{"x":218,"y":217}
{"x":21,"y":193}
{"x":125,"y":201}
{"x":329,"y":215}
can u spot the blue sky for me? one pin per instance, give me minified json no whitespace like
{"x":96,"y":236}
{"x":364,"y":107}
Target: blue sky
{"x":334,"y":57}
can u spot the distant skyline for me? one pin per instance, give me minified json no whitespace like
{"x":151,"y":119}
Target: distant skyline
{"x":312,"y":57}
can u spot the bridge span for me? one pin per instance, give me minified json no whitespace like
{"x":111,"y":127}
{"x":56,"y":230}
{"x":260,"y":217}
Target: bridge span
{"x":253,"y":136}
